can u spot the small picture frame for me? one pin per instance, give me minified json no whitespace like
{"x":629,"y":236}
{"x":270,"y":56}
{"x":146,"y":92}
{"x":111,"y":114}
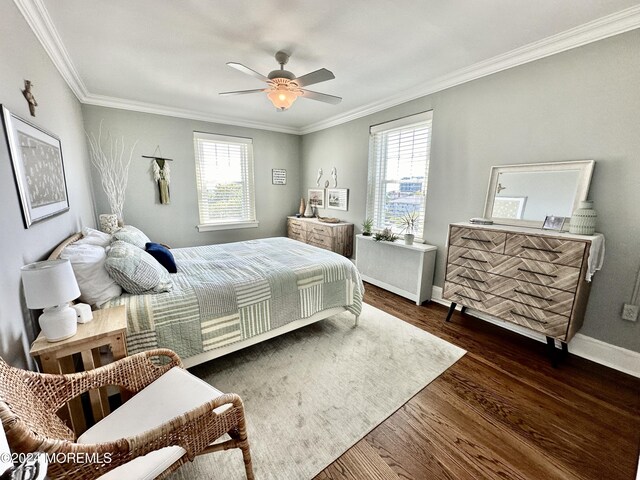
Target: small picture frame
{"x":278,"y":176}
{"x":316,"y":197}
{"x":36,"y":156}
{"x":551,"y":222}
{"x":338,"y":198}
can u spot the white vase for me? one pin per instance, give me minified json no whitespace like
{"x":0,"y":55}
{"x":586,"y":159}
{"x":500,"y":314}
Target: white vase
{"x":108,"y":222}
{"x":408,"y":238}
{"x":583,"y":220}
{"x":308,"y":212}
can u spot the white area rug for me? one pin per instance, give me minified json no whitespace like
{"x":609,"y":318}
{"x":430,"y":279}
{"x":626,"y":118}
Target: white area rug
{"x":313,"y":393}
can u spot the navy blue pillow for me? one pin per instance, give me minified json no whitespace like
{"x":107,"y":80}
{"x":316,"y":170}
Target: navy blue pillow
{"x":162,"y":255}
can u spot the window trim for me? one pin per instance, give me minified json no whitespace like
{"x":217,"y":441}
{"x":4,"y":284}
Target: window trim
{"x":226,"y":224}
{"x":210,"y":227}
{"x":387,"y":127}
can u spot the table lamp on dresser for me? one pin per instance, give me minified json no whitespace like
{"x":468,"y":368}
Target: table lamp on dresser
{"x":51,"y":285}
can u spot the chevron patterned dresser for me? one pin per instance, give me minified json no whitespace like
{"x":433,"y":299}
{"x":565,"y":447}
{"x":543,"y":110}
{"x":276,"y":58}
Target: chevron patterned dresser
{"x":530,"y":277}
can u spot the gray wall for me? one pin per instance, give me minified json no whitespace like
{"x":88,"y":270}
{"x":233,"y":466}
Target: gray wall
{"x":22,"y":57}
{"x":581,"y":104}
{"x":175,"y":224}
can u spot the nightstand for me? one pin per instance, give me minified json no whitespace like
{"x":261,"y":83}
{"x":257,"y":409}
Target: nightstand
{"x":108,"y":328}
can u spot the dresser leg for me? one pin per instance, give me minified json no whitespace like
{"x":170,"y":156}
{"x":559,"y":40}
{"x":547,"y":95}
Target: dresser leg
{"x":452,"y":309}
{"x":553,"y":351}
{"x":463,"y":309}
{"x":565,"y":349}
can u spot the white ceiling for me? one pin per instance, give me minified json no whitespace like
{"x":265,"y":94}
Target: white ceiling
{"x":169,"y":57}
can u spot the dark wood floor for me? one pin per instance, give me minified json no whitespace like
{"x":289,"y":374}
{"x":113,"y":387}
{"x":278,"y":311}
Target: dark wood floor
{"x":501,"y":412}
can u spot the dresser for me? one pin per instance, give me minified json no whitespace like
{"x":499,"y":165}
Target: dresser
{"x":337,"y":237}
{"x":525,"y":276}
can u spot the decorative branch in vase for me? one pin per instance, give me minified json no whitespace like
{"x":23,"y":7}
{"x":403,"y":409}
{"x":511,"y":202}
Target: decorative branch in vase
{"x":110,"y":160}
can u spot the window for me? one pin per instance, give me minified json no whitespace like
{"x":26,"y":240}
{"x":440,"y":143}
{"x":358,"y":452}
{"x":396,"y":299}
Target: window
{"x":398,"y":169}
{"x":224,"y":176}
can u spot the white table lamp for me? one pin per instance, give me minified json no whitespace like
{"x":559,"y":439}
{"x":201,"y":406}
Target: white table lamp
{"x":51,"y":285}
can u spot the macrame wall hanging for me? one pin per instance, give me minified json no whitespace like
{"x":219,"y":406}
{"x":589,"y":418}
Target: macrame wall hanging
{"x":161,"y":174}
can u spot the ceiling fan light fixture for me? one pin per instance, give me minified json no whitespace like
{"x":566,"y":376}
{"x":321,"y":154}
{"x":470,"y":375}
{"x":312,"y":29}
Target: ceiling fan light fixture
{"x":282,"y":96}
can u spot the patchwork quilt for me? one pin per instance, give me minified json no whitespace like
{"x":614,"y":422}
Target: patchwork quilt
{"x":230,"y":292}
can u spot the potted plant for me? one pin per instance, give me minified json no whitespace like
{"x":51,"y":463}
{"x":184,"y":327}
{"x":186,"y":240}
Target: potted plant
{"x":409,"y":222}
{"x":367,"y":225}
{"x":385,"y":235}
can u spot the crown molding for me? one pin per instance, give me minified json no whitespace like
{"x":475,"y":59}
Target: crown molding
{"x":599,"y":29}
{"x":37,"y":17}
{"x":133,"y":105}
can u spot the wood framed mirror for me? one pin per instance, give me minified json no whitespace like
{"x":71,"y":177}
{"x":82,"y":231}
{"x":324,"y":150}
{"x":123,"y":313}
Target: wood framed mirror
{"x":523,"y":195}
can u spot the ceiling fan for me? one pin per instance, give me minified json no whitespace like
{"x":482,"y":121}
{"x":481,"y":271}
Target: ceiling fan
{"x":284,"y":87}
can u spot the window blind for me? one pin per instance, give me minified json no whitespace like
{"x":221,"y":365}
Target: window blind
{"x":224,"y":176}
{"x":399,"y":153}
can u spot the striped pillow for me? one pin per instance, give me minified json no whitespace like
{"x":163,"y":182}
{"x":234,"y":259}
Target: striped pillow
{"x":132,"y":235}
{"x":135,"y":270}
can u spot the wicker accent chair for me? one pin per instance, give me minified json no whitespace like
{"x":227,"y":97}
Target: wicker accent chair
{"x":29,"y":402}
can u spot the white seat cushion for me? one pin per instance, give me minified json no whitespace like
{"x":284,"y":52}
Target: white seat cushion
{"x":174,"y":393}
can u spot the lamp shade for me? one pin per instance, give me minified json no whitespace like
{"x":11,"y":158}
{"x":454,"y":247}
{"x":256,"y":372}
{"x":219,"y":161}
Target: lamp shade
{"x":49,"y":283}
{"x":282,"y":97}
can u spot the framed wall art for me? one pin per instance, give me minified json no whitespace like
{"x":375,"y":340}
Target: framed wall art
{"x":36,"y":156}
{"x":316,"y":197}
{"x":338,"y":198}
{"x":278,"y":176}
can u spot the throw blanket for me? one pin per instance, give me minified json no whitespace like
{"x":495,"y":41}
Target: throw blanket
{"x":227,"y":293}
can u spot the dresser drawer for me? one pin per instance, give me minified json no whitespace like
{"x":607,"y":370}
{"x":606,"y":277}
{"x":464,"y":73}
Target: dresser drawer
{"x":540,"y":273}
{"x":554,"y":250}
{"x":319,"y":229}
{"x":296,"y":234}
{"x":467,"y":296}
{"x":320,"y":240}
{"x":298,"y":224}
{"x":476,"y":259}
{"x":543,"y":321}
{"x":539,"y":296}
{"x":295,"y":230}
{"x":488,"y":240}
{"x":476,"y":279}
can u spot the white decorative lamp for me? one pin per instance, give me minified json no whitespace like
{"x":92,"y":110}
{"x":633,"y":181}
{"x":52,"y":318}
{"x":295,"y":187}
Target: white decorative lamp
{"x":51,"y":285}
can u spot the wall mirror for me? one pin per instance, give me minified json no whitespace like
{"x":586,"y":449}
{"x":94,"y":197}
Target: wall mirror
{"x":525,"y":194}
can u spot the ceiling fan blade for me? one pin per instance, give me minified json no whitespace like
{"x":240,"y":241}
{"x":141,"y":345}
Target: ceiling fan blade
{"x":243,"y":92}
{"x":248,"y":71}
{"x":322,"y":97}
{"x":318,"y":76}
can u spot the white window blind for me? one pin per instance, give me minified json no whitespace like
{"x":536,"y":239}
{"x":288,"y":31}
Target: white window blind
{"x":399,"y":153}
{"x":224,"y":176}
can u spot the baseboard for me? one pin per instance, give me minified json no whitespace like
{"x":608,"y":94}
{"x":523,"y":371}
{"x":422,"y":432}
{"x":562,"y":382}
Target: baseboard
{"x":612,"y":356}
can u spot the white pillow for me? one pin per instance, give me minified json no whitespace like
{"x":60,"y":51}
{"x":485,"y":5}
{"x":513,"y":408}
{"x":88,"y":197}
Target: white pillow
{"x":91,"y":236}
{"x":87,"y":261}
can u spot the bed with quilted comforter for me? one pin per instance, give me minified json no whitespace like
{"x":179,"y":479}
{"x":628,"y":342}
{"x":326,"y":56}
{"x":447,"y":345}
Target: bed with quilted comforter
{"x":227,"y":295}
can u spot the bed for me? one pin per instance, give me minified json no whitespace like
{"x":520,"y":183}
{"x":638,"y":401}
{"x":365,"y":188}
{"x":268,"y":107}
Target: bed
{"x":229,"y":296}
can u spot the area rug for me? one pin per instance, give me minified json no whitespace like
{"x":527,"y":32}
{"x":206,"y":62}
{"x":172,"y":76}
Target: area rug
{"x":313,"y":393}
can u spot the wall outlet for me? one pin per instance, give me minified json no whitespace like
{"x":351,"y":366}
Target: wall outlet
{"x":630,"y":312}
